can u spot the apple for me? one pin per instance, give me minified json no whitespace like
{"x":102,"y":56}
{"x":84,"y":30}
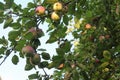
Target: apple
{"x":97,"y":60}
{"x":33,"y":31}
{"x":28,"y":51}
{"x":35,"y":60}
{"x":87,"y":26}
{"x":36,"y":32}
{"x":57,"y":6}
{"x":39,"y":32}
{"x":101,"y":37}
{"x":107,"y":36}
{"x":40,"y":10}
{"x":61,"y":66}
{"x":106,"y":69}
{"x":55,"y":16}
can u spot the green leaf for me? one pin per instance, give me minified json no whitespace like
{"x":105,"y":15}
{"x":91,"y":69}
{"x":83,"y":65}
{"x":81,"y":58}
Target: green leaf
{"x":50,"y":1}
{"x":45,"y":55}
{"x":28,"y":67}
{"x":8,"y":22}
{"x":3,"y":41}
{"x":16,"y":25}
{"x":52,"y":39}
{"x":60,"y":51}
{"x":104,"y":64}
{"x":65,"y":19}
{"x":13,"y":35}
{"x":1,"y":6}
{"x":28,"y":36}
{"x":43,"y":64}
{"x":15,"y":59}
{"x":33,"y":76}
{"x":20,"y":45}
{"x":8,"y":3}
{"x":66,"y":46}
{"x":2,"y":50}
{"x":31,"y":5}
{"x":106,"y":54}
{"x":41,"y":49}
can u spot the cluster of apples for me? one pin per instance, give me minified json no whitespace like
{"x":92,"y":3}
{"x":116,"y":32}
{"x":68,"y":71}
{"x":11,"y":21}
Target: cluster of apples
{"x":29,"y":52}
{"x":40,"y":10}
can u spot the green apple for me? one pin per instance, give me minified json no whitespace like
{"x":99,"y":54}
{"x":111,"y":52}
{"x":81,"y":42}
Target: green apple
{"x":57,"y":6}
{"x":35,"y":60}
{"x":40,"y":10}
{"x":55,"y":16}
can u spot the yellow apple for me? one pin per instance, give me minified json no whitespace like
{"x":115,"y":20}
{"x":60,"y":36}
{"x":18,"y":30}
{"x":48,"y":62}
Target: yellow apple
{"x":40,"y":10}
{"x":55,"y":16}
{"x":57,"y":6}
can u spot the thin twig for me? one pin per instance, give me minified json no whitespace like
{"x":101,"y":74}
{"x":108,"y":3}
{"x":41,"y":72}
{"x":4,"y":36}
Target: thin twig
{"x":44,"y":71}
{"x":3,"y":60}
{"x":7,"y":54}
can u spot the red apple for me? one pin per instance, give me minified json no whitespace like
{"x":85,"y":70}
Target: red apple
{"x":97,"y":60}
{"x":40,"y":10}
{"x":57,"y":6}
{"x":28,"y":51}
{"x":55,"y":16}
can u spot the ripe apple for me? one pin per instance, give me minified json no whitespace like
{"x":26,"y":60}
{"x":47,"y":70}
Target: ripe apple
{"x":87,"y":26}
{"x":61,"y":66}
{"x":101,"y":37}
{"x":35,"y":60}
{"x":40,"y":10}
{"x":97,"y":60}
{"x":55,"y":16}
{"x":28,"y":51}
{"x":57,"y":6}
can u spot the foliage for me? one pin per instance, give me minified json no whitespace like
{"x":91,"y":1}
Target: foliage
{"x":92,"y":53}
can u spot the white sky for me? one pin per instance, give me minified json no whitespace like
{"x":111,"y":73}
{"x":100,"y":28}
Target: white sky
{"x":8,"y":71}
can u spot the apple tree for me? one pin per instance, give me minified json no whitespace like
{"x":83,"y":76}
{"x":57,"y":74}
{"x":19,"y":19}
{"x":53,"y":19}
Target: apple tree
{"x":87,"y":33}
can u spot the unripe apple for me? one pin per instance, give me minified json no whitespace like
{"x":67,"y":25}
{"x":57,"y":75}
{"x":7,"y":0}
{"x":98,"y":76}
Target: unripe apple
{"x":28,"y":51}
{"x":57,"y":6}
{"x":36,"y":32}
{"x":39,"y":32}
{"x":40,"y":10}
{"x":35,"y":60}
{"x":55,"y":16}
{"x":87,"y":26}
{"x":106,"y":69}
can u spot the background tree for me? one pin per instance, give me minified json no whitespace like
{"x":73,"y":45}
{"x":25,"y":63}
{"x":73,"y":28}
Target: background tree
{"x":92,"y":53}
